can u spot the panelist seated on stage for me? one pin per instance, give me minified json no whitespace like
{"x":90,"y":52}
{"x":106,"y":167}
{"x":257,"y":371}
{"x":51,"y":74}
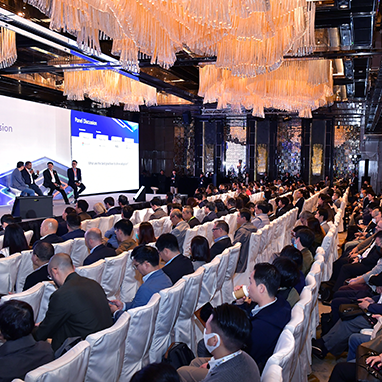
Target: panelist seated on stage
{"x":75,"y":180}
{"x":127,"y":213}
{"x":98,"y":251}
{"x":48,"y":232}
{"x":82,"y":208}
{"x":52,"y":181}
{"x":41,"y":255}
{"x":146,"y":262}
{"x":17,"y":181}
{"x":73,"y":223}
{"x":30,"y":177}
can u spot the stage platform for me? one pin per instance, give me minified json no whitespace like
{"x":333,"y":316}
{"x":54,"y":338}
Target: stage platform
{"x":59,"y":204}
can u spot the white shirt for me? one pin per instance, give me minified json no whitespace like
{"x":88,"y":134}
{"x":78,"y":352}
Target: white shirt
{"x":52,"y":175}
{"x":257,"y":308}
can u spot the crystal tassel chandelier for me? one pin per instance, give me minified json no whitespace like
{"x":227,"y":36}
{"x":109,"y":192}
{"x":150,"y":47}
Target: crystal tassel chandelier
{"x":108,"y":88}
{"x":249,"y":37}
{"x":297,"y":86}
{"x":8,"y":52}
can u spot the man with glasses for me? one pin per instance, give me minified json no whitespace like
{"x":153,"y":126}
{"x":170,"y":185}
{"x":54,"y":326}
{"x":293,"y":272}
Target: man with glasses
{"x":221,"y":238}
{"x":146,"y":262}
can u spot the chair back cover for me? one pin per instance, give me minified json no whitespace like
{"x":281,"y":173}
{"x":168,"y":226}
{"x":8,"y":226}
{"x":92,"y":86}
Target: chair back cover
{"x":93,"y":271}
{"x":79,"y":251}
{"x":167,"y":225}
{"x":209,"y":233}
{"x":28,"y":236}
{"x":69,"y":367}
{"x":113,"y":274}
{"x":65,"y":247}
{"x":117,"y":218}
{"x":8,"y":272}
{"x":228,"y":284}
{"x":131,"y":281}
{"x":139,"y":337}
{"x":25,"y":269}
{"x":190,"y":234}
{"x":158,"y":225}
{"x":272,"y":374}
{"x":221,"y":274}
{"x":169,"y":305}
{"x":184,"y":325}
{"x":209,"y":282}
{"x":105,"y":223}
{"x":107,"y":351}
{"x":90,"y":223}
{"x":32,"y":296}
{"x":283,"y":354}
{"x":49,"y":288}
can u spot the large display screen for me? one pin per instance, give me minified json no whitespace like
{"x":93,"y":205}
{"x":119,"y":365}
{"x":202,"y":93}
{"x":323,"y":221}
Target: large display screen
{"x":107,"y":149}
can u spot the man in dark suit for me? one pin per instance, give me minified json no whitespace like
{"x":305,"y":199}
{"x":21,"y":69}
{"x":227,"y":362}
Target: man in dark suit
{"x":41,"y":255}
{"x":177,"y":265}
{"x":30,"y":176}
{"x":283,"y":206}
{"x":146,"y":262}
{"x":221,"y":238}
{"x":109,"y":204}
{"x":73,"y":222}
{"x":75,"y":180}
{"x":82,"y":208}
{"x":78,"y":307}
{"x":188,"y":216}
{"x":52,"y":181}
{"x":211,"y":214}
{"x":48,"y":233}
{"x":299,"y":201}
{"x":98,"y":251}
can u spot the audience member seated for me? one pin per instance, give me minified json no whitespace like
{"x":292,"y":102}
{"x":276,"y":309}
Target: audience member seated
{"x":127,"y":213}
{"x":303,"y":241}
{"x":122,"y":201}
{"x":243,"y":235}
{"x":188,"y":216}
{"x":290,"y":277}
{"x":99,"y":210}
{"x":300,"y":200}
{"x":221,"y":238}
{"x":73,"y":221}
{"x":304,"y":216}
{"x":318,"y":231}
{"x":42,"y":253}
{"x":231,"y":205}
{"x":5,"y":220}
{"x":20,"y":353}
{"x":323,"y":202}
{"x":146,"y":233}
{"x":221,"y":210}
{"x":14,"y":239}
{"x":158,"y":212}
{"x":145,"y":259}
{"x":98,"y":251}
{"x":62,"y":227}
{"x":82,"y":208}
{"x":292,"y":253}
{"x":322,"y":216}
{"x":227,"y":330}
{"x":124,"y":232}
{"x":76,"y":309}
{"x":156,"y":372}
{"x":261,"y":218}
{"x":336,"y":340}
{"x":200,"y":251}
{"x":179,"y":226}
{"x":48,"y":231}
{"x":177,"y":265}
{"x":109,"y":204}
{"x":210,"y":212}
{"x":283,"y":206}
{"x":191,"y":202}
{"x":268,"y":314}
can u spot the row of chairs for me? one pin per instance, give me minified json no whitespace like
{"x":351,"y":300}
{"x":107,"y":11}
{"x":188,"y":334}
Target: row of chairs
{"x":118,"y":352}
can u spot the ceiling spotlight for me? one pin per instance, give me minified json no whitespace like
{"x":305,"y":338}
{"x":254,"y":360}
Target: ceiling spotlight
{"x":343,"y":4}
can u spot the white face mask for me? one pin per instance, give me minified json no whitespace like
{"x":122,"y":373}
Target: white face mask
{"x":361,"y":195}
{"x":374,"y":220}
{"x":206,"y":337}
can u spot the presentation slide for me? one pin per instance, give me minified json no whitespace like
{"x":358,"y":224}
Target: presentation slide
{"x":107,"y":151}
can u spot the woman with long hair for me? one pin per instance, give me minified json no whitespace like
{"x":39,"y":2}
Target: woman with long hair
{"x":14,"y":239}
{"x":200,"y":251}
{"x":146,"y":233}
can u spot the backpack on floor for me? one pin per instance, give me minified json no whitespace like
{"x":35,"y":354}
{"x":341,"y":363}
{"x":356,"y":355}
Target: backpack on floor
{"x":178,"y":355}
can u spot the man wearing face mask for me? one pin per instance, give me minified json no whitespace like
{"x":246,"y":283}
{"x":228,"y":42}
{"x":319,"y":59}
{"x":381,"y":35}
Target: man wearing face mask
{"x":226,"y":332}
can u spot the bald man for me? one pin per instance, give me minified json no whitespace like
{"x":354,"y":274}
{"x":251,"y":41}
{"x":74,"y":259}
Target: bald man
{"x":98,"y":251}
{"x":48,"y":232}
{"x":76,"y":309}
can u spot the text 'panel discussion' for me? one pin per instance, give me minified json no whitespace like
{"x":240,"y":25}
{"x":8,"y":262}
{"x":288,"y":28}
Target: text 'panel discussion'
{"x":190,"y":190}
